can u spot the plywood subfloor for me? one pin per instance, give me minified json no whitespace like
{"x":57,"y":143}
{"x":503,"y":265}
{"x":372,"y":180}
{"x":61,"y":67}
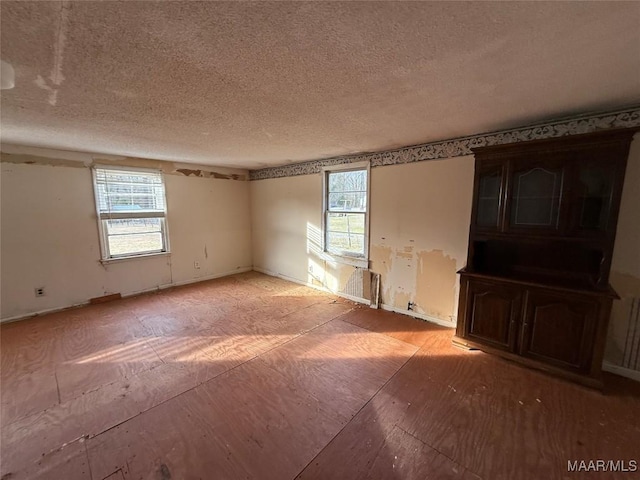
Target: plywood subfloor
{"x":253,"y":377}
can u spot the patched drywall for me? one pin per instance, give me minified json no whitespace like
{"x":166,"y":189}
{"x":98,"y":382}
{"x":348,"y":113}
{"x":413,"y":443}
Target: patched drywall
{"x":426,"y":279}
{"x":419,"y":231}
{"x":49,"y":236}
{"x":401,"y":299}
{"x":436,"y":284}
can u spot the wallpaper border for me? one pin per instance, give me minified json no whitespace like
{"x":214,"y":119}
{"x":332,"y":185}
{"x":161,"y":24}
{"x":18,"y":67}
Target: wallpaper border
{"x":457,"y":147}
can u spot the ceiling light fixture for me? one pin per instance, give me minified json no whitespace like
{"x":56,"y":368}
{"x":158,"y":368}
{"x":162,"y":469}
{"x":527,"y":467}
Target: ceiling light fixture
{"x":7,"y":76}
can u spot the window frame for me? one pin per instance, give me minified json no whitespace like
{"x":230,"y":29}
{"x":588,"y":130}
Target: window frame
{"x":102,"y":218}
{"x":361,"y":261}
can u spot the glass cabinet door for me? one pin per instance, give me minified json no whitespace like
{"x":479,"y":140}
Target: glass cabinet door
{"x":488,"y":201}
{"x":594,"y":190}
{"x":535,"y":198}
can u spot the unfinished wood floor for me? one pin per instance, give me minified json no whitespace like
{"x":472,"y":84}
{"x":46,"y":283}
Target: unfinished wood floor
{"x":253,"y":377}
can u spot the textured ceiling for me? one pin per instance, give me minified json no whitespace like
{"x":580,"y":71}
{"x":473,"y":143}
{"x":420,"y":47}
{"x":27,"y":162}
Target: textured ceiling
{"x":253,"y":85}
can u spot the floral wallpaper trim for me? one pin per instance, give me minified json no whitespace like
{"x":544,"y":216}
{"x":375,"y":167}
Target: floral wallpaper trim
{"x":461,"y":146}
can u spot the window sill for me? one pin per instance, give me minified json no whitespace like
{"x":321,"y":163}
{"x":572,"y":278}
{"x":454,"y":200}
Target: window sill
{"x":353,"y":261}
{"x":106,"y":261}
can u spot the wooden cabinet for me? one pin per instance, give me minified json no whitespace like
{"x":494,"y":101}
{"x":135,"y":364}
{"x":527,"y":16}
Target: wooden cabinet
{"x":559,"y":328}
{"x":493,"y":314}
{"x":536,"y":285}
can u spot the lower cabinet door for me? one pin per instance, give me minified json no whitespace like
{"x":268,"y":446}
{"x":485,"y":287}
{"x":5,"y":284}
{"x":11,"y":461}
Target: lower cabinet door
{"x":559,"y":329}
{"x":492,"y":314}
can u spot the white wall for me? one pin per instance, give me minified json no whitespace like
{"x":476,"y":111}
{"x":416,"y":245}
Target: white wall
{"x":418,"y":236}
{"x":49,"y":237}
{"x":286,"y":215}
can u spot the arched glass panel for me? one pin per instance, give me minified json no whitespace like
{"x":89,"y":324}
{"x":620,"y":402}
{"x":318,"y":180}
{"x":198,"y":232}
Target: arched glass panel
{"x":536,"y":198}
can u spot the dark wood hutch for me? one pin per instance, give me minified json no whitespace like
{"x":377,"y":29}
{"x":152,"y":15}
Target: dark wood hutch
{"x":543,"y":224}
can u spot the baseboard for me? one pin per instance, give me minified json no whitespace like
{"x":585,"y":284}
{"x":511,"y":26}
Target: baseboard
{"x":286,"y":277}
{"x":46,"y":311}
{"x":311,"y":285}
{"x":202,"y":279}
{"x":364,"y":301}
{"x":421,"y":316}
{"x":622,"y":371}
{"x":25,"y":316}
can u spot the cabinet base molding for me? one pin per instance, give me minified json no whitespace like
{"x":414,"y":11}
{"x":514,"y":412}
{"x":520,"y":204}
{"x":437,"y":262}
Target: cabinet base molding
{"x":588,"y":381}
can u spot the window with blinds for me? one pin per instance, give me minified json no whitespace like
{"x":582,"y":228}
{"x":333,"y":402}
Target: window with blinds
{"x":132,"y":211}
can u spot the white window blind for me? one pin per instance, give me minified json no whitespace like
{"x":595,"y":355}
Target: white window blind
{"x":131,"y":207}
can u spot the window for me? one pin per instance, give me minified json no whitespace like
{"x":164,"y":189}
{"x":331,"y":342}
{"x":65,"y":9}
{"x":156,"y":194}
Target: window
{"x":131,"y":212}
{"x":346,"y":198}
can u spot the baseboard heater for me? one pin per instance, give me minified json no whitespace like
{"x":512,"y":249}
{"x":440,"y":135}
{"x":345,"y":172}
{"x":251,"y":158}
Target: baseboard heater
{"x":365,"y":284}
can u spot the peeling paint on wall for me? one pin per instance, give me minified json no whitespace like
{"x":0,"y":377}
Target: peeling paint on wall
{"x":187,"y":172}
{"x":222,"y":176}
{"x":33,"y":160}
{"x":168,"y":168}
{"x":401,"y":299}
{"x":380,"y":257}
{"x":209,"y":174}
{"x":431,"y":284}
{"x":436,"y":284}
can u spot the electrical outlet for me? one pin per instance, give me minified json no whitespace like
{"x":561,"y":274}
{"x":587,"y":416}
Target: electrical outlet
{"x":196,"y":265}
{"x":39,"y":291}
